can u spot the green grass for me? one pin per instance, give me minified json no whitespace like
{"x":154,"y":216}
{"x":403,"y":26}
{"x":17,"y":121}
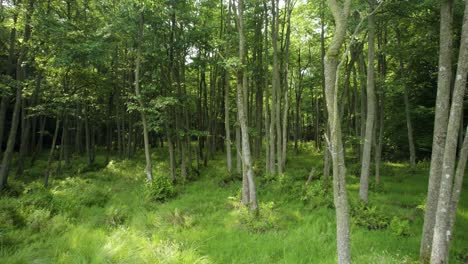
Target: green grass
{"x":103,"y":216}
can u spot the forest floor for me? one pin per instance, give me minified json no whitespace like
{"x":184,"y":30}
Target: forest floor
{"x":103,"y":216}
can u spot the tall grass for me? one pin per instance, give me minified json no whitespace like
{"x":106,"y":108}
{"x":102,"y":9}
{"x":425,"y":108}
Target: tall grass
{"x":102,"y":216}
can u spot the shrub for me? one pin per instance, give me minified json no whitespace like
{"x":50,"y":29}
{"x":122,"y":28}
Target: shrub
{"x":266,"y":219}
{"x":399,"y":227}
{"x":369,"y":217}
{"x":160,"y":189}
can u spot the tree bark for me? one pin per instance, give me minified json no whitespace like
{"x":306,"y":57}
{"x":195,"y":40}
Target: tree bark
{"x":227,"y":125}
{"x":241,"y":87}
{"x":370,"y":118}
{"x":149,"y":173}
{"x":441,"y":237}
{"x":340,"y":14}
{"x":440,"y":127}
{"x":457,"y":186}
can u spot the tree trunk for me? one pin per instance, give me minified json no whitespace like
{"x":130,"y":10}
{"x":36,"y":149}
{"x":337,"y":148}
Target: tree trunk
{"x":409,"y":124}
{"x":51,"y":153}
{"x":227,"y":124}
{"x":370,"y":118}
{"x":25,"y":131}
{"x":20,"y":76}
{"x":3,"y":111}
{"x":441,"y":237}
{"x":149,"y":173}
{"x":440,"y":127}
{"x":8,"y":154}
{"x":275,"y":125}
{"x":268,"y":165}
{"x":241,"y":87}
{"x":340,"y":14}
{"x":457,"y":187}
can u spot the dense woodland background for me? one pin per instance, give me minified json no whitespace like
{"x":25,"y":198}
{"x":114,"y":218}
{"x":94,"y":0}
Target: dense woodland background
{"x":268,"y":119}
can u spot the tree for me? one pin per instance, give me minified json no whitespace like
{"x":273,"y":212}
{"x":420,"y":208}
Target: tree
{"x":251,"y":200}
{"x":149,"y":173}
{"x":442,"y":231}
{"x":370,"y":117}
{"x":440,"y":127}
{"x":340,"y":14}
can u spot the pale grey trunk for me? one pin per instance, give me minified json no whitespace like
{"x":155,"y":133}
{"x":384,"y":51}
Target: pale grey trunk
{"x":275,"y":125}
{"x":457,"y":186}
{"x":285,"y":129}
{"x":370,"y":118}
{"x":441,"y":237}
{"x":238,"y":148}
{"x":149,"y":173}
{"x":227,"y":125}
{"x":340,"y":14}
{"x":267,"y":97}
{"x":362,"y":74}
{"x":241,"y":87}
{"x":440,"y":127}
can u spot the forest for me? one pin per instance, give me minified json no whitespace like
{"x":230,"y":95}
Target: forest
{"x":233,"y":131}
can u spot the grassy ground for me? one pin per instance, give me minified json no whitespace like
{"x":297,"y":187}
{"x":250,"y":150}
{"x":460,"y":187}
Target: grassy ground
{"x":103,"y":216}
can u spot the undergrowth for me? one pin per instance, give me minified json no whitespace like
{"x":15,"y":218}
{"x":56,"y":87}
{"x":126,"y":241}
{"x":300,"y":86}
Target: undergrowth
{"x":109,"y":214}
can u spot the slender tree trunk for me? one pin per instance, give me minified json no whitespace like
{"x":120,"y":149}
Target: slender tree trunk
{"x":440,"y":127}
{"x":441,"y":237}
{"x":379,"y":138}
{"x":40,"y":141}
{"x":370,"y":118}
{"x":285,"y":129}
{"x":172,"y":165}
{"x":457,"y":186}
{"x":25,"y":131}
{"x":340,"y":14}
{"x":326,"y":151}
{"x":227,"y":125}
{"x":241,"y":87}
{"x":238,"y":148}
{"x":88,"y":140}
{"x":3,"y":111}
{"x":149,"y":173}
{"x":268,"y":164}
{"x":51,"y":153}
{"x":409,"y":123}
{"x":275,"y":151}
{"x":8,"y":154}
